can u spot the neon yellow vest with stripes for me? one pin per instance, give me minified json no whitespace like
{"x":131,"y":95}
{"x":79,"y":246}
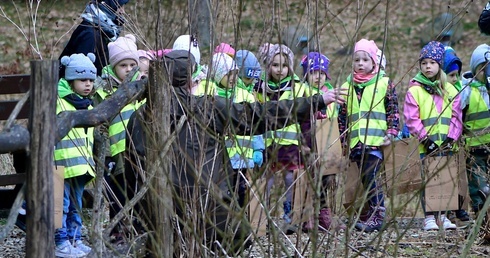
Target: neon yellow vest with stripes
{"x":367,"y":119}
{"x":117,"y":127}
{"x":241,"y":144}
{"x":477,"y":119}
{"x":436,"y":124}
{"x":74,"y":151}
{"x":291,"y":134}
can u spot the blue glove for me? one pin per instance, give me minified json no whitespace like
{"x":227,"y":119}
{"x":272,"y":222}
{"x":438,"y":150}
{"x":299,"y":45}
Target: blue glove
{"x":258,"y":158}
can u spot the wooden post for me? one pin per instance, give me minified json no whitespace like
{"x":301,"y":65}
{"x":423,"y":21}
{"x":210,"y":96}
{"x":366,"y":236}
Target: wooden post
{"x":201,"y":22}
{"x":158,"y":164}
{"x":40,"y":201}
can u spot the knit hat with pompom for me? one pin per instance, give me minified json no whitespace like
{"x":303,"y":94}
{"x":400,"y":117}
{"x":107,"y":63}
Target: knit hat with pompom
{"x":123,"y":48}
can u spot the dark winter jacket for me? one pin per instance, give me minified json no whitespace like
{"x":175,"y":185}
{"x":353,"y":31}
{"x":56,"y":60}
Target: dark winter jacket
{"x":88,"y":39}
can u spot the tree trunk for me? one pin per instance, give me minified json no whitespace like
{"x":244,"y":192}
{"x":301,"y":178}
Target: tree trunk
{"x":200,"y":22}
{"x":158,"y":163}
{"x":40,"y":198}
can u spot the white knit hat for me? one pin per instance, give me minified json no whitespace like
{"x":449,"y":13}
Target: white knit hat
{"x":188,"y":43}
{"x":222,"y":65}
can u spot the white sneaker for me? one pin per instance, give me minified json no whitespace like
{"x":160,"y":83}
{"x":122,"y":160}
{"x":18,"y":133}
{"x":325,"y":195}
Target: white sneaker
{"x":446,"y":223}
{"x":83,"y":247}
{"x":65,"y":249}
{"x":430,"y":223}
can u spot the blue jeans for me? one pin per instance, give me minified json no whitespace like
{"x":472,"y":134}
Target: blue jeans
{"x":72,"y":204}
{"x":370,"y":168}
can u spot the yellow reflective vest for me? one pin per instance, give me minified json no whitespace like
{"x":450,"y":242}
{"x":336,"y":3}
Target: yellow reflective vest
{"x":74,"y":151}
{"x":291,"y":134}
{"x":477,"y":119}
{"x":436,"y":124}
{"x":367,"y":117}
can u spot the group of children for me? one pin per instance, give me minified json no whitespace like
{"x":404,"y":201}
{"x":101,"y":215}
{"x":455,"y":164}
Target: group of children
{"x":440,"y":106}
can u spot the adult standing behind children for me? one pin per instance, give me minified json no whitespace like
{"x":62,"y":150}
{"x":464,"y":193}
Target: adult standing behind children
{"x":370,"y":117}
{"x":475,"y":102}
{"x":102,"y":23}
{"x":74,"y":152}
{"x":123,"y":57}
{"x":432,"y":112}
{"x":199,"y":154}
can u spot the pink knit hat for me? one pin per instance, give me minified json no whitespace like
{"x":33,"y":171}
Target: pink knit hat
{"x":369,"y":47}
{"x":225,"y":48}
{"x":146,"y":54}
{"x":123,"y":48}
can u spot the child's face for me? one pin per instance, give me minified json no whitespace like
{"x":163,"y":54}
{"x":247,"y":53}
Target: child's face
{"x":229,"y":80}
{"x":83,"y":87}
{"x":144,"y":67}
{"x":317,"y":78}
{"x":480,"y":76}
{"x":453,"y":77}
{"x":430,"y":68}
{"x":363,"y":63}
{"x":279,"y":68}
{"x":247,"y":80}
{"x":123,"y":68}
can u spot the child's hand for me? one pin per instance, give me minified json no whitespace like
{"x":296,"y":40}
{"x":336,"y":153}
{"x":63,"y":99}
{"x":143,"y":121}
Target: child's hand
{"x":387,"y":140}
{"x":319,"y":115}
{"x":335,"y":95}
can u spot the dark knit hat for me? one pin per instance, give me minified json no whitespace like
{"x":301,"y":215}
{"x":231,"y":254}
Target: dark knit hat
{"x":433,"y":50}
{"x":183,"y":65}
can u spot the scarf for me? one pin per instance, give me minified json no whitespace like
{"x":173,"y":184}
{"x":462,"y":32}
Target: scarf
{"x":97,"y":17}
{"x":225,"y":93}
{"x":373,"y":77}
{"x":432,"y":87}
{"x":477,"y":84}
{"x":77,"y":101}
{"x":242,"y":85}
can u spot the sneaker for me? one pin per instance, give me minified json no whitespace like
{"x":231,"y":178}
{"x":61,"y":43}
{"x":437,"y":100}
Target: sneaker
{"x":462,"y":215}
{"x":65,"y":249}
{"x":446,"y":223}
{"x":374,"y":222}
{"x":82,"y":246}
{"x":430,"y":223}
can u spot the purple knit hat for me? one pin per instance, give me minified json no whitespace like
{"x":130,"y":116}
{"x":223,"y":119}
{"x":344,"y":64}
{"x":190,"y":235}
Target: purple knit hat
{"x":433,"y":50}
{"x":315,"y":61}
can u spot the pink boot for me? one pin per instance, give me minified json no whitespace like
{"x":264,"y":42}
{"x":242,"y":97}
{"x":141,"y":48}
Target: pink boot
{"x":325,"y":219}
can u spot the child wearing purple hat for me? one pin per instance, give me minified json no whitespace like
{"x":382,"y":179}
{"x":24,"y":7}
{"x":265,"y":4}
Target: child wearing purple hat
{"x":427,"y":100}
{"x":315,"y":73}
{"x":363,"y":136}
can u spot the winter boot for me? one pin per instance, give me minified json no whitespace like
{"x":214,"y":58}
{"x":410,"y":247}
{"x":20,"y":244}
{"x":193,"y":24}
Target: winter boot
{"x":325,"y":219}
{"x":374,"y":222}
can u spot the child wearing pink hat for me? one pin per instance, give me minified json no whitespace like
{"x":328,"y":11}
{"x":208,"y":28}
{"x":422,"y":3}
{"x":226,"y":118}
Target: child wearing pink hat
{"x":285,"y":148}
{"x":123,"y":57}
{"x":225,"y":48}
{"x":361,"y":135}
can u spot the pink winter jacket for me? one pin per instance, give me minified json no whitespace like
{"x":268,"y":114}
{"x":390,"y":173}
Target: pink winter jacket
{"x":412,"y":117}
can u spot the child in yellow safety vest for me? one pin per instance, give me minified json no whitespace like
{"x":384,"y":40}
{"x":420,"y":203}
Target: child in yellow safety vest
{"x":285,"y":146}
{"x":367,"y":122}
{"x":74,"y":152}
{"x":432,"y":112}
{"x":315,"y":72}
{"x":123,"y":57}
{"x":248,"y":154}
{"x":475,"y":102}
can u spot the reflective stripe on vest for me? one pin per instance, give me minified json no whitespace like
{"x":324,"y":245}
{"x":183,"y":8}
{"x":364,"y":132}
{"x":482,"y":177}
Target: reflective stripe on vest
{"x":477,"y":119}
{"x":436,"y":124}
{"x":290,"y":134}
{"x":117,"y":129}
{"x":367,"y":117}
{"x":74,"y":151}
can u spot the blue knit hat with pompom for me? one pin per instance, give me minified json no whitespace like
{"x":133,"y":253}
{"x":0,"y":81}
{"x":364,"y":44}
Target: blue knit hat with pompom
{"x":79,"y":67}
